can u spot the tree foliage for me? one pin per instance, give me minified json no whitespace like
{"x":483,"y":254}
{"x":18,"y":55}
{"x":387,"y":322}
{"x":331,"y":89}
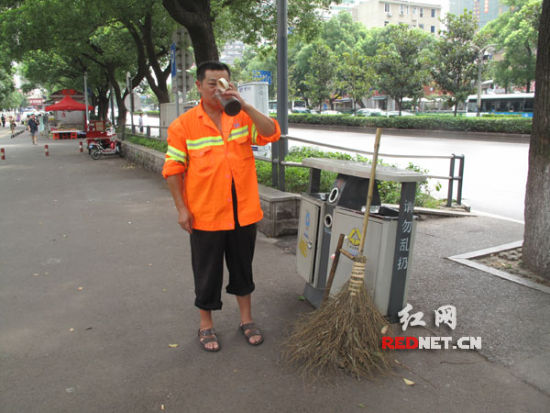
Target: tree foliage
{"x":515,"y":35}
{"x":454,"y":68}
{"x":211,"y":22}
{"x":402,"y":63}
{"x":319,"y":80}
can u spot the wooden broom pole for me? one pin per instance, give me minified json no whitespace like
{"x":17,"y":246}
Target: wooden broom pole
{"x":371,"y":190}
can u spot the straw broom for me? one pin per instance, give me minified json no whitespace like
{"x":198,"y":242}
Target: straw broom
{"x":346,"y":331}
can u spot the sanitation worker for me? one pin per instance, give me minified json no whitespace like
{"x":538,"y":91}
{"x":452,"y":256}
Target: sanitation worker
{"x":210,"y":171}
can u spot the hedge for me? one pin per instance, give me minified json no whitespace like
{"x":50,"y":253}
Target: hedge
{"x":440,"y":122}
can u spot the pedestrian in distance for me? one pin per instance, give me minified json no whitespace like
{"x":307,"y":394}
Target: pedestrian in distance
{"x":210,"y":171}
{"x":3,"y":120}
{"x":32,"y":126}
{"x":40,"y":120}
{"x":12,"y":126}
{"x":140,"y":123}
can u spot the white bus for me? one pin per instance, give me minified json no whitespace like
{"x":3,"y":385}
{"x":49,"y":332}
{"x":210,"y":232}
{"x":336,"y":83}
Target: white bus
{"x":503,"y":104}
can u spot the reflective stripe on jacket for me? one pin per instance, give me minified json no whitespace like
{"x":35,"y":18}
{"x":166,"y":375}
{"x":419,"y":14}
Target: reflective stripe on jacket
{"x":210,"y":161}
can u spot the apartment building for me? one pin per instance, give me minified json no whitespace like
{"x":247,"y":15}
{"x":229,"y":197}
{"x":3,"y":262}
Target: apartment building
{"x":483,"y":10}
{"x":380,"y":13}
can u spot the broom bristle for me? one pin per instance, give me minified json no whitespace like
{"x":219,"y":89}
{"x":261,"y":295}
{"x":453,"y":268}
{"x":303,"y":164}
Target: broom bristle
{"x":345,"y":333}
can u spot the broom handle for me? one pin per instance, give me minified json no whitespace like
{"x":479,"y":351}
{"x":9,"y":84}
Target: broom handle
{"x":333,"y":267}
{"x":371,"y":189}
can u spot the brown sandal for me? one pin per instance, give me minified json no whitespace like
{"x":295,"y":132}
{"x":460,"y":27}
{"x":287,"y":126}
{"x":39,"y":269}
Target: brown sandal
{"x":208,"y":336}
{"x":250,"y":330}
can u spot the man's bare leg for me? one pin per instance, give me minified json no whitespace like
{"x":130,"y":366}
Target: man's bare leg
{"x":205,"y":324}
{"x":245,"y":308}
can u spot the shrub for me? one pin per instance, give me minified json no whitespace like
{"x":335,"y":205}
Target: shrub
{"x":297,"y":178}
{"x":497,"y":124}
{"x":155,"y":144}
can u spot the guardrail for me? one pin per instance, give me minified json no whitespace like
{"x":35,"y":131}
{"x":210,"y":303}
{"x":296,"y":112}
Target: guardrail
{"x":280,"y":165}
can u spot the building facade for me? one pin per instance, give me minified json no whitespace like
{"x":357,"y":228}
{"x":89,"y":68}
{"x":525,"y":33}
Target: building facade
{"x":483,"y":10}
{"x":379,"y":13}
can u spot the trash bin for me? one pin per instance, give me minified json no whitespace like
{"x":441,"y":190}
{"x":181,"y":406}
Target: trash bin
{"x":390,"y":235}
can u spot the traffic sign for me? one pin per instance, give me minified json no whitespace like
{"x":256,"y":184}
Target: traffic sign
{"x":262,"y":75}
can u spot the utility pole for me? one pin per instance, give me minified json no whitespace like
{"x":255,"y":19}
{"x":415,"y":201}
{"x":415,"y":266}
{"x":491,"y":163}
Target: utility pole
{"x":86,"y":101}
{"x":278,"y":171}
{"x":183,"y":80}
{"x":480,"y":57}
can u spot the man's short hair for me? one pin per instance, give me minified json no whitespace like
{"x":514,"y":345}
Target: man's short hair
{"x":211,"y":65}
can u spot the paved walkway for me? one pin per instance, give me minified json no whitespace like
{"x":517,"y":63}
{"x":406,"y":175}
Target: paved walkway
{"x":96,"y":285}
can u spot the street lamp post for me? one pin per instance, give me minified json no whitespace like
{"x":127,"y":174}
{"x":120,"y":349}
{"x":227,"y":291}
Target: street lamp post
{"x":86,"y":101}
{"x":479,"y":70}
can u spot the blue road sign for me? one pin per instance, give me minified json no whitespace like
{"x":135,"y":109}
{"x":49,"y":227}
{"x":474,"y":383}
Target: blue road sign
{"x":173,"y":59}
{"x":262,"y":75}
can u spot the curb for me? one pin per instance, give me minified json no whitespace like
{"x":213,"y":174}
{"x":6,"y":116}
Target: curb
{"x":436,"y":133}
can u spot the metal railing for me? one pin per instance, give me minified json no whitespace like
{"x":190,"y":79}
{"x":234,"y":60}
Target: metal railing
{"x":280,"y":165}
{"x":451,"y":178}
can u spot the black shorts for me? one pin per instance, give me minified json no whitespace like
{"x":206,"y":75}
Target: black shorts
{"x":208,"y":249}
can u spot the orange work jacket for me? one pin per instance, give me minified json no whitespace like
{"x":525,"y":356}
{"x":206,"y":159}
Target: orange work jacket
{"x":210,"y":160}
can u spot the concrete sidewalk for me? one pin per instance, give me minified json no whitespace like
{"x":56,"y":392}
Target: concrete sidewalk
{"x":96,"y":285}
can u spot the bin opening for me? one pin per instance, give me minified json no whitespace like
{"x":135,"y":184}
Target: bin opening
{"x":384,"y":211}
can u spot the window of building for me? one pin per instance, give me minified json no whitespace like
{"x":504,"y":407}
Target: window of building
{"x":432,"y":29}
{"x":433,"y":12}
{"x":421,"y":26}
{"x":386,"y":23}
{"x":421,"y":12}
{"x":414,"y":11}
{"x":401,"y":9}
{"x":387,"y":7}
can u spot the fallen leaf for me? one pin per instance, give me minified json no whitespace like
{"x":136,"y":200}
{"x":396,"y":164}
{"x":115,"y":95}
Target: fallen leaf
{"x":409,"y":382}
{"x":162,"y":407}
{"x":397,"y":361}
{"x":71,"y":329}
{"x":80,"y":288}
{"x":361,"y":405}
{"x":36,"y":274}
{"x":164,"y":290}
{"x":302,"y":298}
{"x":385,"y":329}
{"x":150,"y":265}
{"x":173,"y":345}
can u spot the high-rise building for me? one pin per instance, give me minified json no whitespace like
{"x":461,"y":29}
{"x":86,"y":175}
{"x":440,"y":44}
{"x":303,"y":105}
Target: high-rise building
{"x":379,"y":13}
{"x":231,"y":52}
{"x":483,"y":10}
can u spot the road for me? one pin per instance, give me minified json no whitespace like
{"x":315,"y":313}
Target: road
{"x":495,"y":172}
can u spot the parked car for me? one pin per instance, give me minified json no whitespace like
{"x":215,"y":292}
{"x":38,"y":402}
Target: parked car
{"x":330,"y":112}
{"x":403,"y":113}
{"x":369,"y":112}
{"x":301,"y":109}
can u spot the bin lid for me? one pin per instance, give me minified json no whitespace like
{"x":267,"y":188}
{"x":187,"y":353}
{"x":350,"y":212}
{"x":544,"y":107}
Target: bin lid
{"x":383,"y":173}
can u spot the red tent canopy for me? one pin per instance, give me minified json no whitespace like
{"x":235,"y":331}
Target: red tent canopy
{"x":68,"y":103}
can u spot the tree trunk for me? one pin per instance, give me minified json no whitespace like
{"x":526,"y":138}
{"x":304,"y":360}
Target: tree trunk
{"x":102,"y":101}
{"x":196,"y":17}
{"x":536,"y":243}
